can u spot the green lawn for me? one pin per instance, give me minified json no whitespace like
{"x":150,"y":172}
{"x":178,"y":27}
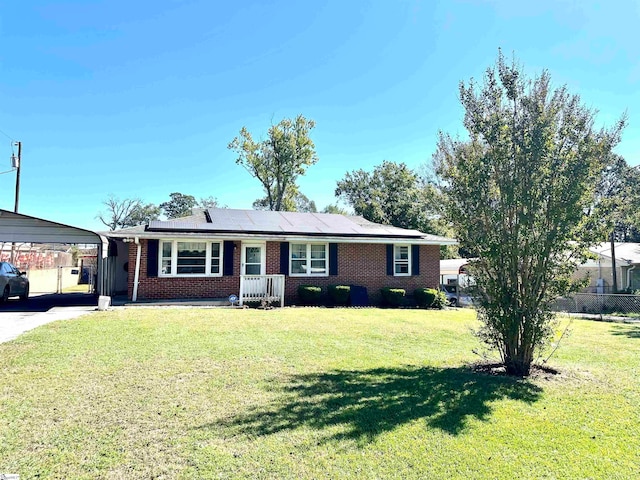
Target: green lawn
{"x":310,"y":393}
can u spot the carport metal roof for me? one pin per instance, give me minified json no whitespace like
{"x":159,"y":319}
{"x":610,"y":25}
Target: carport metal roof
{"x":17,"y":227}
{"x":20,"y":228}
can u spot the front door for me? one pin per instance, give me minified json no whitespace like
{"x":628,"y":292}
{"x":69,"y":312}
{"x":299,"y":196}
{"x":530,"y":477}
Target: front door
{"x":253,"y":284}
{"x":253,"y":259}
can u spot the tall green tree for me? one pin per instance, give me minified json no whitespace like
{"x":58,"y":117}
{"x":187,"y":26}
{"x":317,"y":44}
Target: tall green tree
{"x":294,"y":201}
{"x":335,"y":209}
{"x":278,"y":161}
{"x":518,"y":195}
{"x":210,"y":202}
{"x":142,"y":214}
{"x":179,"y":205}
{"x":617,"y":203}
{"x":392,"y":194}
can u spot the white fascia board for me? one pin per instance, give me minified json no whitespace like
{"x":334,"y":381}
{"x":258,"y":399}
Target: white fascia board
{"x":290,"y":238}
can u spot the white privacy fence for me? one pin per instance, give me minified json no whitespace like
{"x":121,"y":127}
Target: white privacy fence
{"x":599,"y":303}
{"x":262,"y":288}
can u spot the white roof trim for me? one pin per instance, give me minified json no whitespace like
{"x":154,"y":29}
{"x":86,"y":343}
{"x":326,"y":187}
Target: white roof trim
{"x":288,"y":238}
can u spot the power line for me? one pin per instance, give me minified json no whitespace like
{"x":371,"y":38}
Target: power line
{"x":7,"y":135}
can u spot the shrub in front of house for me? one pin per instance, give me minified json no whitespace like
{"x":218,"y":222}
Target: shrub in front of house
{"x":424,"y":297}
{"x":440,"y":301}
{"x":393,"y":297}
{"x":309,"y":294}
{"x":429,"y":298}
{"x":339,"y":294}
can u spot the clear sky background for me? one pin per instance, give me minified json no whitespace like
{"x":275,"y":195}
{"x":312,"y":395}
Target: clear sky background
{"x":141,"y":98}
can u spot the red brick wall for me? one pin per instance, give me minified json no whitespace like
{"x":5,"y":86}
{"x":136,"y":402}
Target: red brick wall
{"x":358,"y":264}
{"x":185,"y":287}
{"x":366,"y":265}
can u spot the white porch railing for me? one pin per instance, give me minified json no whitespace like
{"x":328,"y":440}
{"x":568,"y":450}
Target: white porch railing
{"x":256,"y":288}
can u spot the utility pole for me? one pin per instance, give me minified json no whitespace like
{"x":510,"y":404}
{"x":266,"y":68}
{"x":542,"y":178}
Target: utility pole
{"x":16,"y":163}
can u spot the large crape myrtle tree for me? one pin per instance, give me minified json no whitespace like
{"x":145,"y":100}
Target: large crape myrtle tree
{"x":519,"y":192}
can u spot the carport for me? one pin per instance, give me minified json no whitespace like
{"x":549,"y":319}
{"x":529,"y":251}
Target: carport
{"x":20,"y":228}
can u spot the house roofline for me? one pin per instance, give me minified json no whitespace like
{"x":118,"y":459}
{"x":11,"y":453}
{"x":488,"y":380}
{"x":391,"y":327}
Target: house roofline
{"x":286,"y":237}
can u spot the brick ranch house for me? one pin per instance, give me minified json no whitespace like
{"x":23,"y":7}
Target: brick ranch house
{"x":218,"y":252}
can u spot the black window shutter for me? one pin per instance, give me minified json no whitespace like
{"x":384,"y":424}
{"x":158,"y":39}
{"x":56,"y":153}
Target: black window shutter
{"x":389,"y":259}
{"x":284,"y":258}
{"x":152,"y":257}
{"x":227,"y":260}
{"x":333,"y":259}
{"x":415,"y":259}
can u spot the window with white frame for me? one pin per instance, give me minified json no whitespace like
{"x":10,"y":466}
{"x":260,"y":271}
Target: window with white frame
{"x":401,"y":260}
{"x":308,"y":259}
{"x":190,"y":258}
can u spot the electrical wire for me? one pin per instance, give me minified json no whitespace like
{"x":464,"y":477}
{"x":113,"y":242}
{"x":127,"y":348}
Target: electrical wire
{"x":3,"y":133}
{"x":8,"y":171}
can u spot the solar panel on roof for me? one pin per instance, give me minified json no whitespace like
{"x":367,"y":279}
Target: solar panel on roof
{"x":260,"y":221}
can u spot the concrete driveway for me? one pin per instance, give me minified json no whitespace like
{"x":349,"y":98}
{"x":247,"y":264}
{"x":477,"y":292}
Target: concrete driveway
{"x":17,"y":317}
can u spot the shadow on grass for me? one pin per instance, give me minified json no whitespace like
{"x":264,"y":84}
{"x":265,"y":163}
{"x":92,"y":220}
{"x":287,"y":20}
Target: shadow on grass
{"x":367,"y":403}
{"x":626,"y":330}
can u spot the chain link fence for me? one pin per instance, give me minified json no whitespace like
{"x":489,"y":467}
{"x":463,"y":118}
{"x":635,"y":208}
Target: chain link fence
{"x":599,"y":303}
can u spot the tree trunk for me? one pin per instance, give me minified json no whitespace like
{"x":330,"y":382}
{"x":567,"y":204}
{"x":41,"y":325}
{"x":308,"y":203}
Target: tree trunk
{"x":518,"y":365}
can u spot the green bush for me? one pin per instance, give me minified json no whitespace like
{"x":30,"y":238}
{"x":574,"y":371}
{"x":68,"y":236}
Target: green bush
{"x":309,"y":294}
{"x":440,"y":301}
{"x":424,"y":296}
{"x":430,"y":298}
{"x":339,"y":294}
{"x":392,"y":297}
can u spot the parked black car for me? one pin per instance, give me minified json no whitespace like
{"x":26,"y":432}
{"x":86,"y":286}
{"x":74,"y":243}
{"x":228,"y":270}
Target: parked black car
{"x":13,"y":282}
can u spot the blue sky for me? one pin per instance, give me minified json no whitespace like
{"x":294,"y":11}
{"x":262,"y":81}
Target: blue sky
{"x":140,"y":99}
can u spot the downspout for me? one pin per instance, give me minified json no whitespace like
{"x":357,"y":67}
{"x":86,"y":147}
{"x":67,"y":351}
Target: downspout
{"x":136,"y":275}
{"x":629,"y":277}
{"x":102,"y":273}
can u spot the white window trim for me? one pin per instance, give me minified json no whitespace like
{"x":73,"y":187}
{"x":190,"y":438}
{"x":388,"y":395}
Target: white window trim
{"x":409,"y":260}
{"x":308,"y":258}
{"x":174,"y":258}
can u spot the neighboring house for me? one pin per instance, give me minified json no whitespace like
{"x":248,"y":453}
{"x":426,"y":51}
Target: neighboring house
{"x":600,"y":269}
{"x":453,"y":271}
{"x":219,"y":252}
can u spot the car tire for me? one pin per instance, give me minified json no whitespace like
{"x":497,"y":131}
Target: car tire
{"x":5,"y":295}
{"x":25,"y":295}
{"x":453,"y":302}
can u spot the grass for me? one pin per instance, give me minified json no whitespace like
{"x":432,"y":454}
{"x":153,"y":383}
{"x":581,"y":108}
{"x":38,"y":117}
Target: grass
{"x":310,"y":393}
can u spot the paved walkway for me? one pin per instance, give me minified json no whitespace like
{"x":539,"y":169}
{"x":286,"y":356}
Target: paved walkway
{"x":16,"y":323}
{"x":17,"y":317}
